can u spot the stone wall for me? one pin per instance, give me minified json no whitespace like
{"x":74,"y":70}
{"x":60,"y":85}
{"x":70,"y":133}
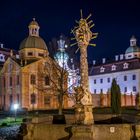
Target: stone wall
{"x":102,"y":100}
{"x":42,"y":131}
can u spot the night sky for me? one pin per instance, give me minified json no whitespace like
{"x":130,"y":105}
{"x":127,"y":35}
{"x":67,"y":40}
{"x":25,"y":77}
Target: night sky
{"x":115,"y":21}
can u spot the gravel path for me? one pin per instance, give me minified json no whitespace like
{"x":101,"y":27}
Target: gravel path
{"x":9,"y":133}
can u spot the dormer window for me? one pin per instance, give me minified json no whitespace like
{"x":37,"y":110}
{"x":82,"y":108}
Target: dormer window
{"x":102,"y":69}
{"x":125,"y":66}
{"x":113,"y":67}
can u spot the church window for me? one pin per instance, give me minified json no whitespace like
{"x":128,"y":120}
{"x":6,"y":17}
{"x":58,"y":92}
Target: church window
{"x":33,"y":98}
{"x":47,"y":80}
{"x":17,"y":79}
{"x":17,"y":98}
{"x":4,"y":83}
{"x":47,"y":100}
{"x":30,"y":53}
{"x":33,"y":79}
{"x":134,"y":77}
{"x":125,"y":78}
{"x":134,"y":88}
{"x":11,"y":99}
{"x":10,"y":81}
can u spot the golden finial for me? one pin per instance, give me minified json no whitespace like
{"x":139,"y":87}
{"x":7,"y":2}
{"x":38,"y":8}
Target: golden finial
{"x":81,"y":14}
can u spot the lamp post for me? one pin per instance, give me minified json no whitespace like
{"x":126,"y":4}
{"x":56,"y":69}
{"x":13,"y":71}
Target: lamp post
{"x":16,"y":106}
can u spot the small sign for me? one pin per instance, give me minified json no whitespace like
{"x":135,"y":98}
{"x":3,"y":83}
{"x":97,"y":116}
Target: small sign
{"x":112,"y":129}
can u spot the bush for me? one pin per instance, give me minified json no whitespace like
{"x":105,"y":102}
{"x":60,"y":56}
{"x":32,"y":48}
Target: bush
{"x":4,"y":124}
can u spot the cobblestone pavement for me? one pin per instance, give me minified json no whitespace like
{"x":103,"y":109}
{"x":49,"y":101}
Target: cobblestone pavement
{"x":9,"y":133}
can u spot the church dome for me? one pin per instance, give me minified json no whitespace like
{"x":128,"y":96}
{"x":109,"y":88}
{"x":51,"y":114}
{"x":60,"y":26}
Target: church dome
{"x":132,"y":49}
{"x":133,"y":46}
{"x":33,"y":42}
{"x":33,"y":23}
{"x":61,"y":56}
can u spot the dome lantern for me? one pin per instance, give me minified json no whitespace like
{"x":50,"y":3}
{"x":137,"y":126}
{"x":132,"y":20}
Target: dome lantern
{"x":133,"y":41}
{"x":33,"y":28}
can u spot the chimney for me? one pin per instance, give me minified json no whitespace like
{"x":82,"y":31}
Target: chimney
{"x":1,"y":45}
{"x":103,"y":60}
{"x":94,"y":62}
{"x":116,"y":57}
{"x":121,"y":56}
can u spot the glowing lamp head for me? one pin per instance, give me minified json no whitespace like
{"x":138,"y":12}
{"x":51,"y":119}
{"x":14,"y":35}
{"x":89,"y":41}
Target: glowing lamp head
{"x":16,"y":106}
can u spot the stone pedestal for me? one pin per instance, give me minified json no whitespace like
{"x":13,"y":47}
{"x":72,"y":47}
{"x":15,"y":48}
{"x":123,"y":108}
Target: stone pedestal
{"x":82,"y":132}
{"x":88,"y":115}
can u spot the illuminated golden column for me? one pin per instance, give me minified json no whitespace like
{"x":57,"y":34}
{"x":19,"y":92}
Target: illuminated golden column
{"x":83,"y":35}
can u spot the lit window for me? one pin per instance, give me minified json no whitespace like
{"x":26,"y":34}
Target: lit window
{"x":94,"y":81}
{"x":113,"y":67}
{"x":47,"y":80}
{"x":125,"y":78}
{"x":134,"y":77}
{"x":108,"y":80}
{"x":102,"y":69}
{"x":125,"y":66}
{"x":33,"y":79}
{"x":125,"y":89}
{"x":134,"y":88}
{"x":101,"y":80}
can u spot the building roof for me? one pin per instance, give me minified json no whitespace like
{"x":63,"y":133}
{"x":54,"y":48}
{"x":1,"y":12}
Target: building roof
{"x":132,"y":49}
{"x":132,"y":65}
{"x":33,"y":23}
{"x":33,"y":42}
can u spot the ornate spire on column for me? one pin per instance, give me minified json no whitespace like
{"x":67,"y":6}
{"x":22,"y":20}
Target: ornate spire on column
{"x":83,"y":35}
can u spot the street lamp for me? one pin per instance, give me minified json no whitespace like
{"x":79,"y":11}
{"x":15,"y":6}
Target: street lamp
{"x":16,"y":106}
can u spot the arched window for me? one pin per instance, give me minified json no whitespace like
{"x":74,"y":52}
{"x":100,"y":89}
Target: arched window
{"x":47,"y":80}
{"x":33,"y":79}
{"x":33,"y":98}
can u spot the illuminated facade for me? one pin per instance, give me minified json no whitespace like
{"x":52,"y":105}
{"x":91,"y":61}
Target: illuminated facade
{"x":125,"y":69}
{"x":62,"y":58}
{"x":26,"y":80}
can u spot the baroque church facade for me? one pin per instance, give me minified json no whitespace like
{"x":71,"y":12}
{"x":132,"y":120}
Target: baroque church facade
{"x":27,"y":80}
